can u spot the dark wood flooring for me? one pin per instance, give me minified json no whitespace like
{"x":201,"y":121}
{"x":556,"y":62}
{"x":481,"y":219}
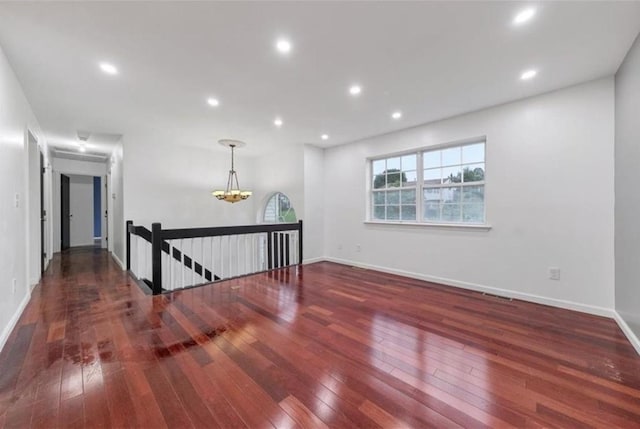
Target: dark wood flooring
{"x":324,"y":345}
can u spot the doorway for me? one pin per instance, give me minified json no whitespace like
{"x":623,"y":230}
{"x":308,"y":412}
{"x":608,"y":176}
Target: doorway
{"x":35,"y":205}
{"x":65,"y":212}
{"x":43,"y":217}
{"x":80,"y":211}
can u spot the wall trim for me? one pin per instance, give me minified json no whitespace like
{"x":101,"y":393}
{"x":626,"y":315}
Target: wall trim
{"x":568,"y":305}
{"x":313,"y":260}
{"x":14,"y":320}
{"x":626,"y":330}
{"x":118,"y":261}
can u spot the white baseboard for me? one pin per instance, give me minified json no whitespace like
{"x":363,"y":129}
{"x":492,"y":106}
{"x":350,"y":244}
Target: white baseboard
{"x":313,"y":260}
{"x":569,"y":305}
{"x":14,"y":320}
{"x":118,"y":261}
{"x":631,"y":336}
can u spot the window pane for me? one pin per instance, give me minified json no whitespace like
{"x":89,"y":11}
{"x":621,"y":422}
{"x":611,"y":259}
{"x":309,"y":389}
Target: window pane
{"x":379,"y":181}
{"x":278,"y":209}
{"x":393,"y":197}
{"x":412,"y":178}
{"x":431,"y":211}
{"x":393,"y":163}
{"x":393,"y":212}
{"x":451,"y":156}
{"x":431,"y":159}
{"x":473,"y":213}
{"x":378,"y":166}
{"x":395,"y":178}
{"x":270,"y":215}
{"x":408,"y":212}
{"x":474,"y":173}
{"x":451,"y":175}
{"x":379,"y":212}
{"x":409,"y":162}
{"x":378,"y":197}
{"x":408,"y":196}
{"x":433,"y":176}
{"x":451,"y":195}
{"x":432,"y":195}
{"x":473,"y":194}
{"x":451,"y":212}
{"x":473,"y":153}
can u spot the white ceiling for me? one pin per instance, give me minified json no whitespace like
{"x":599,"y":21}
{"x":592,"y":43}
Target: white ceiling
{"x":428,"y":59}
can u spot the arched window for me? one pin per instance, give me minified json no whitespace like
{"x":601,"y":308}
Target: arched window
{"x":278,"y":210}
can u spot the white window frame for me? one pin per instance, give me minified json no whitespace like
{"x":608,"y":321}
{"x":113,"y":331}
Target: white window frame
{"x":420,"y":186}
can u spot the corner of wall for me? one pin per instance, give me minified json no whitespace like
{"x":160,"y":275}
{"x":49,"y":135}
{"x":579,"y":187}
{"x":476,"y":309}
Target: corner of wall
{"x":627,"y":331}
{"x":6,"y":332}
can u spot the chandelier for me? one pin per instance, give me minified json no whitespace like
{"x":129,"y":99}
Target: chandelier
{"x":233,"y":193}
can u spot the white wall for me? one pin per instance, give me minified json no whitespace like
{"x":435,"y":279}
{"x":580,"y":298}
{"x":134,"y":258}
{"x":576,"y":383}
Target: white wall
{"x":627,"y":212}
{"x":313,"y":203}
{"x":84,"y":168}
{"x":81,"y":210}
{"x":69,"y":167}
{"x":16,"y":117}
{"x":172,"y":183}
{"x":549,"y":197}
{"x":280,"y":171}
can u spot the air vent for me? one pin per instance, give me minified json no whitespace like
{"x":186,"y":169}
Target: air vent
{"x":503,"y":298}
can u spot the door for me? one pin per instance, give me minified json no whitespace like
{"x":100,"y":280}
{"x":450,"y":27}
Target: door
{"x":43,"y":214}
{"x":65,"y":213}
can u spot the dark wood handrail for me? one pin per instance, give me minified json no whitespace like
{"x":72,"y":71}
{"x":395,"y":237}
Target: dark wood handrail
{"x":216,"y":231}
{"x":188,"y":261}
{"x":158,"y":236}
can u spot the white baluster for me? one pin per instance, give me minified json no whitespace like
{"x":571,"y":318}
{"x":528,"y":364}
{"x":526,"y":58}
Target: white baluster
{"x":204,"y":278}
{"x":182,"y":262}
{"x":213,"y":264}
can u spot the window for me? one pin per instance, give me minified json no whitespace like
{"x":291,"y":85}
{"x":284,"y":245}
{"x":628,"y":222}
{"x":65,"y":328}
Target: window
{"x":278,"y":210}
{"x":449,"y":181}
{"x":394,"y":188}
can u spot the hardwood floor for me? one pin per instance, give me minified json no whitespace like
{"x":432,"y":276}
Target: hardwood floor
{"x":324,"y":345}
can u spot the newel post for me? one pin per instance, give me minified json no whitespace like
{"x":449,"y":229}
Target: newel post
{"x":300,"y":241}
{"x":156,"y":258}
{"x":129,"y":223}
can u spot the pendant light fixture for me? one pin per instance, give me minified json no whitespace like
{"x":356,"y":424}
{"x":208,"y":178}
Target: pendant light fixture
{"x":233,"y":193}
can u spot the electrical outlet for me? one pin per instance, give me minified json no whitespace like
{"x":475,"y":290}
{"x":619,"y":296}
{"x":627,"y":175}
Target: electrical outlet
{"x":358,"y":248}
{"x":14,"y":284}
{"x":554,"y":273}
{"x":17,"y":201}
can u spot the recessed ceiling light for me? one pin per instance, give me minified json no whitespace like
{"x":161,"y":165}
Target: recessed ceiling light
{"x":524,"y":16}
{"x":396,"y":115}
{"x":355,"y":90}
{"x":213,"y":102}
{"x":283,"y":46}
{"x":108,"y":68}
{"x":325,"y":137}
{"x":82,"y":148}
{"x":529,"y":74}
{"x":278,"y":122}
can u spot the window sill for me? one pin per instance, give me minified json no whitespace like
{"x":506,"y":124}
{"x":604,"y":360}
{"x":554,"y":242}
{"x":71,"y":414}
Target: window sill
{"x":478,"y":227}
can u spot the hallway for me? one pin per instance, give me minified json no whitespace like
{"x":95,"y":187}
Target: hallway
{"x":315,"y":346}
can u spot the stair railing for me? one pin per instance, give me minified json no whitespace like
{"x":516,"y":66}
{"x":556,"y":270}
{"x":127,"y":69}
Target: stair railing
{"x":170,"y":259}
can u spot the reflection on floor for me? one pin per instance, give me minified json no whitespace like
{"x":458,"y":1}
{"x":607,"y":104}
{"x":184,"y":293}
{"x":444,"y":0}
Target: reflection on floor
{"x":316,"y":346}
